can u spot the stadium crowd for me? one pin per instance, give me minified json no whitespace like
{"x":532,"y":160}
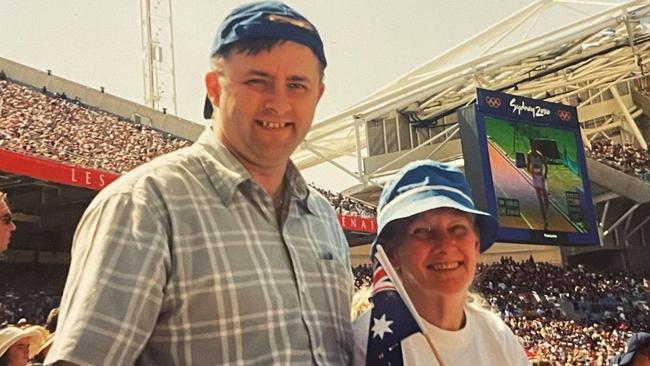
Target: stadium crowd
{"x":643,"y":89}
{"x":624,"y":157}
{"x":345,"y":205}
{"x":51,"y":126}
{"x":564,"y":315}
{"x":29,"y":291}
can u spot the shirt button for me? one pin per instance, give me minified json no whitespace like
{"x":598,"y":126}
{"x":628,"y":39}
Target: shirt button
{"x":320,"y":352}
{"x":303,"y":289}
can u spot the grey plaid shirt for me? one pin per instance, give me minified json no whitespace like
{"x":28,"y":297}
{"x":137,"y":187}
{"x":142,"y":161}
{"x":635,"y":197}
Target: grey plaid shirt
{"x":182,"y":262}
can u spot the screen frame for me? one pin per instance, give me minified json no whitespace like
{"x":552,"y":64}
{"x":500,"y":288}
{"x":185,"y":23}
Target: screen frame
{"x":536,"y":113}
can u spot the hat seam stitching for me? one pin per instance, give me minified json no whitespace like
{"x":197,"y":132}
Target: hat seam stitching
{"x":423,"y":189}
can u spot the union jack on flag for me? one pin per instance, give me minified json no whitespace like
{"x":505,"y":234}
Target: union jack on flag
{"x":390,"y":321}
{"x":380,"y":280}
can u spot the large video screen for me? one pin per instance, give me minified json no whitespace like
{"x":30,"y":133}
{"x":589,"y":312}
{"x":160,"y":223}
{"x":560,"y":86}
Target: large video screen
{"x":525,"y":162}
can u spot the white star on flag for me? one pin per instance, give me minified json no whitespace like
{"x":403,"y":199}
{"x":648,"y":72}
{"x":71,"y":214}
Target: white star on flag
{"x":382,"y":326}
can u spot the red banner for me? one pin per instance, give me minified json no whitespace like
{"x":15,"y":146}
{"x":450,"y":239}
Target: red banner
{"x":355,"y":223}
{"x":54,"y":171}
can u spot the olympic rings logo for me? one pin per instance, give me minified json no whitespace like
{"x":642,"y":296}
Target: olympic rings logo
{"x":493,"y":102}
{"x":564,"y":115}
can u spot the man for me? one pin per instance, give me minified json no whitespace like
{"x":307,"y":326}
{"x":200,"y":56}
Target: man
{"x":219,"y":254}
{"x":7,"y":225}
{"x":538,"y":170}
{"x":637,"y":351}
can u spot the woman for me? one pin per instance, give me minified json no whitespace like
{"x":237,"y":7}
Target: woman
{"x":433,"y":235}
{"x":7,"y":225}
{"x":18,"y":346}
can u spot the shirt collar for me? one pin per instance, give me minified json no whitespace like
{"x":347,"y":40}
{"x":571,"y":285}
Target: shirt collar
{"x":297,"y":187}
{"x":226,"y":173}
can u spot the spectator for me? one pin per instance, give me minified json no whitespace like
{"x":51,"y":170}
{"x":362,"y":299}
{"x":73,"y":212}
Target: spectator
{"x":52,"y":320}
{"x":345,"y":205}
{"x":49,"y":331}
{"x":17,"y":345}
{"x":7,"y":225}
{"x":219,"y":253}
{"x":362,"y":276}
{"x":29,"y":291}
{"x":433,"y":234}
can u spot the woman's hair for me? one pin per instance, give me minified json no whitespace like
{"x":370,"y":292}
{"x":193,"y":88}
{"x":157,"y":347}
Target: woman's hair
{"x":391,"y":234}
{"x":360,"y":302}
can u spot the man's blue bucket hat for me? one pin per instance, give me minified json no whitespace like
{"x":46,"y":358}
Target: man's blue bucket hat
{"x":427,"y":185}
{"x":265,"y":19}
{"x":636,"y":342}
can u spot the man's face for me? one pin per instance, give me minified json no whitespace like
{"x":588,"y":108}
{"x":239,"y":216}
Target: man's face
{"x":266,"y":102}
{"x":7,"y":226}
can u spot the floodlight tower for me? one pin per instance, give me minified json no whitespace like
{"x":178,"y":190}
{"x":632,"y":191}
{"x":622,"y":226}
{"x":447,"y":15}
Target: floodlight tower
{"x":158,"y":51}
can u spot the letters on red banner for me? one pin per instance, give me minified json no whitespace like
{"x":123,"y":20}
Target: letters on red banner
{"x":54,"y":171}
{"x":356,"y":223}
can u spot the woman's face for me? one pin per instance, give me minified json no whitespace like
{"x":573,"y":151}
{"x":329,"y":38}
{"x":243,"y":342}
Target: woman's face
{"x":19,"y":353}
{"x":437,"y":252}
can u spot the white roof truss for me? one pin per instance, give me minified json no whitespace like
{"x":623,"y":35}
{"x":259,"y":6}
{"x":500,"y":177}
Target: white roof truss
{"x":606,"y":45}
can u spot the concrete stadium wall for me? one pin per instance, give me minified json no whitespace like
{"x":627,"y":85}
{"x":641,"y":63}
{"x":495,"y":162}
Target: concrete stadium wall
{"x":638,"y":259}
{"x":360,"y":255}
{"x":96,"y":98}
{"x":618,"y":181}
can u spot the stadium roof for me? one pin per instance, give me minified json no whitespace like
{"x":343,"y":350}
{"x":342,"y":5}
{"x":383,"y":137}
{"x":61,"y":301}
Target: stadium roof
{"x":608,"y":43}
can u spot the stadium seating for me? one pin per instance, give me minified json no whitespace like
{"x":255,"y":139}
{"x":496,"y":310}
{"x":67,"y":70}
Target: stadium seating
{"x":624,"y":157}
{"x":38,"y":123}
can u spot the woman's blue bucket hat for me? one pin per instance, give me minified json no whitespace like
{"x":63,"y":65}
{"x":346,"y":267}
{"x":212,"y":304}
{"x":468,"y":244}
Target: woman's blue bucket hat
{"x":425,"y":185}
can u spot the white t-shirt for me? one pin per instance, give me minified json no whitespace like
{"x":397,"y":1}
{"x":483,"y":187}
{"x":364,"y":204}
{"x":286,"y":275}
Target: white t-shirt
{"x":485,"y":340}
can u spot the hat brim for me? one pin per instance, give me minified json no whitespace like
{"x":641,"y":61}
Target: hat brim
{"x":36,"y":338}
{"x":412,"y":205}
{"x":48,"y":342}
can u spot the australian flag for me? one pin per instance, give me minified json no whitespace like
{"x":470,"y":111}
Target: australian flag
{"x":390,"y":321}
